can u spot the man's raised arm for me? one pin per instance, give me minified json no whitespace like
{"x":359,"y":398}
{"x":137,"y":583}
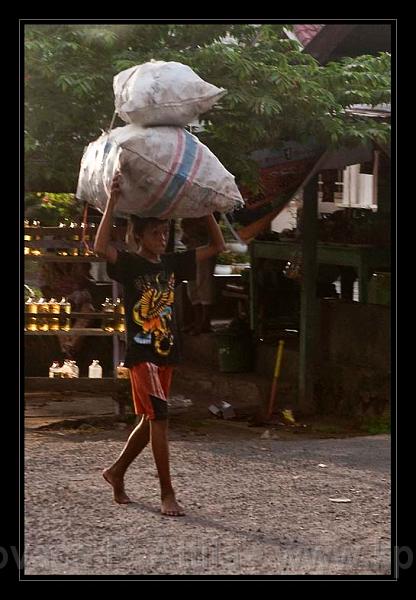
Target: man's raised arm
{"x":102,"y":243}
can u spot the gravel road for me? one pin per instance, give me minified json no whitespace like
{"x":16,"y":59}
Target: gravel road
{"x":254,"y":506}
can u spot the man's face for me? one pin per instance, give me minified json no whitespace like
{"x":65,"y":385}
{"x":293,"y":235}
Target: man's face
{"x":155,"y":238}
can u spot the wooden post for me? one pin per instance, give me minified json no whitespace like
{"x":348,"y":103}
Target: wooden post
{"x":363,"y":278}
{"x":384,"y":185}
{"x":116,"y":341}
{"x":308,"y":301}
{"x":253,"y":291}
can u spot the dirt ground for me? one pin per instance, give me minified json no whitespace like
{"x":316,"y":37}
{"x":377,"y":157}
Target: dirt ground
{"x":255,"y":505}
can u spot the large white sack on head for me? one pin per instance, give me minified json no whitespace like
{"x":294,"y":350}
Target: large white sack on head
{"x":162,"y":93}
{"x":166,"y":172}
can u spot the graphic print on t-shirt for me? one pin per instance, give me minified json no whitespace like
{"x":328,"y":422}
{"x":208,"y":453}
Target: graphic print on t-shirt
{"x":153,"y":311}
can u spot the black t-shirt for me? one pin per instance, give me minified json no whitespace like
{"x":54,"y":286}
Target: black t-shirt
{"x":149,"y":295}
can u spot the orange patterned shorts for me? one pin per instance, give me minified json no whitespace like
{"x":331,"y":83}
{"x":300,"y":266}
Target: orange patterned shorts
{"x":150,"y":385}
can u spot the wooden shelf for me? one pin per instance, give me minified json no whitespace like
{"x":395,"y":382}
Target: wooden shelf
{"x":75,"y":314}
{"x":327,"y":253}
{"x":118,"y":389}
{"x":68,"y":259}
{"x":64,"y":231}
{"x":238,"y":295}
{"x":78,"y":384}
{"x":363,"y":257}
{"x":50,"y":240}
{"x":78,"y":331}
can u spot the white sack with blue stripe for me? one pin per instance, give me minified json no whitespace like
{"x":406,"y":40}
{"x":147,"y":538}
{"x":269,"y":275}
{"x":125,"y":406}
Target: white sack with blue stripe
{"x":166,"y":173}
{"x":163,"y":93}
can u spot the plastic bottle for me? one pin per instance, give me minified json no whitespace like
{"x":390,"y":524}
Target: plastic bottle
{"x":122,"y":371}
{"x":54,"y":310}
{"x":27,"y":238}
{"x":65,"y":311}
{"x":54,"y":369}
{"x":108,"y":321}
{"x":43,"y":309}
{"x":95,"y":370}
{"x":66,"y":370}
{"x":75,"y":368}
{"x":31,"y":310}
{"x":74,"y":251}
{"x":120,"y":323}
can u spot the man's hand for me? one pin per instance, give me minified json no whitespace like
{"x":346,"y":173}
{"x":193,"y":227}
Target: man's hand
{"x":216,"y":244}
{"x":102,"y":243}
{"x":115,"y":190}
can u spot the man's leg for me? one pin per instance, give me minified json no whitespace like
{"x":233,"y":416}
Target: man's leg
{"x":206,"y":292}
{"x":192,"y":293}
{"x":138,"y":439}
{"x":196,"y":326}
{"x":206,"y":318}
{"x":160,"y":447}
{"x":196,"y":317}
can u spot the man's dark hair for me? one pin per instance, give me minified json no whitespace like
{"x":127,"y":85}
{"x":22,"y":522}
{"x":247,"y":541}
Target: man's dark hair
{"x":141,"y":223}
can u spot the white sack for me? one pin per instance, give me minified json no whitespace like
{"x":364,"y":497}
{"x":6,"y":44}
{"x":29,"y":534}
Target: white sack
{"x":166,"y":172}
{"x":162,"y":93}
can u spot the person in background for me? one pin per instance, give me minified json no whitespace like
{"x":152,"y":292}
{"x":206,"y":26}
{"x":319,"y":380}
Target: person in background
{"x":73,"y":282}
{"x":201,"y":291}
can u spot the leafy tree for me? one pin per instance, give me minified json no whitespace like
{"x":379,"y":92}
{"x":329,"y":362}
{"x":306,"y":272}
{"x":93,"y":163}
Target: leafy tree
{"x":51,"y":209}
{"x":275,"y":91}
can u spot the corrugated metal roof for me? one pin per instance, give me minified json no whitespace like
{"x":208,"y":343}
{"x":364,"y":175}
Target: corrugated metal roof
{"x":305,"y":33}
{"x":366,"y":110}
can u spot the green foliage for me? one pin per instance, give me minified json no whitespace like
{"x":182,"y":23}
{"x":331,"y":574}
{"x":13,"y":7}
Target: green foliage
{"x":233,"y":258}
{"x":275,"y":92}
{"x":376,"y":425}
{"x":51,"y":209}
{"x":32,"y":292}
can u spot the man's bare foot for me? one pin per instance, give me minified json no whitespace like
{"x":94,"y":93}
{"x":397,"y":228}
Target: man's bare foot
{"x":117,"y":483}
{"x":171,"y":508}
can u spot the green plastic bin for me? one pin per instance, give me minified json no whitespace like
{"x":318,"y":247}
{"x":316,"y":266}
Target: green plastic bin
{"x":379,"y":289}
{"x":235,"y":352}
